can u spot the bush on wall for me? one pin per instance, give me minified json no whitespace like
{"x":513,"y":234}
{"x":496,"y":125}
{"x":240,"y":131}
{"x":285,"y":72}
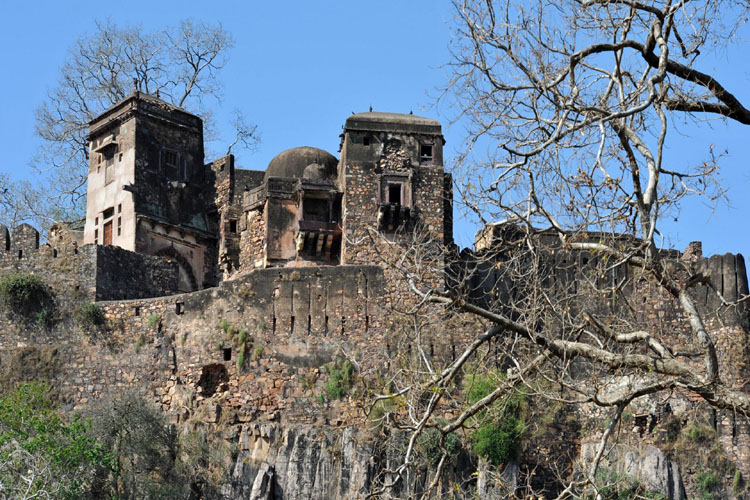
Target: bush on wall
{"x":27,"y":296}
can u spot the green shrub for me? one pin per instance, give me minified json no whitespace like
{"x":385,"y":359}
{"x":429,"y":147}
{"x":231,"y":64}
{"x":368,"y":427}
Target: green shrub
{"x":28,"y":296}
{"x":499,"y":441}
{"x":708,"y":480}
{"x":477,"y":387}
{"x":224,"y":324}
{"x":258,"y":351}
{"x":139,"y":342}
{"x":241,"y":355}
{"x":153,"y":320}
{"x":56,"y":454}
{"x":340,"y":379}
{"x":737,"y":482}
{"x":429,"y":445}
{"x":699,"y":432}
{"x":501,"y":426}
{"x":242,"y":336}
{"x":87,"y":314}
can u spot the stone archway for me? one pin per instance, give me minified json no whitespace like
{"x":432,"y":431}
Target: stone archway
{"x":187,"y":281}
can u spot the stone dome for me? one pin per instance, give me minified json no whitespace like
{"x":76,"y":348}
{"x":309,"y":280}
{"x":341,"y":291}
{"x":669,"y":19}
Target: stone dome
{"x":294,"y":163}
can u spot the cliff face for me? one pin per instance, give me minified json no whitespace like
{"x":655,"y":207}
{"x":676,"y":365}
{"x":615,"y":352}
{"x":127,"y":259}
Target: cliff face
{"x":299,"y":463}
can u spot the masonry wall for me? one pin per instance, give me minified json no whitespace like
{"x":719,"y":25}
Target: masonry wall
{"x":365,"y":170}
{"x":87,"y":273}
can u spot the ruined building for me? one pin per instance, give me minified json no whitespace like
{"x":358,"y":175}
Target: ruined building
{"x":150,"y":192}
{"x":283,"y":276}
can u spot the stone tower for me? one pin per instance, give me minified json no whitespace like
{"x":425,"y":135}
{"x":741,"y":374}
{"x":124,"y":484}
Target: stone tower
{"x":148,"y":189}
{"x":392,"y":176}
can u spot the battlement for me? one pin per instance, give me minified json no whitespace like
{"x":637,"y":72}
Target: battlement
{"x":87,"y":272}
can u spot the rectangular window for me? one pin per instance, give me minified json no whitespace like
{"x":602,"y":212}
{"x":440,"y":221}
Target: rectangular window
{"x":119,"y":208}
{"x":109,"y":170}
{"x":394,"y":194}
{"x":169,"y":164}
{"x":96,"y":236}
{"x":232,"y":226}
{"x":425,"y":152}
{"x":315,"y":209}
{"x":365,"y":141}
{"x":119,"y":226}
{"x":108,"y":213}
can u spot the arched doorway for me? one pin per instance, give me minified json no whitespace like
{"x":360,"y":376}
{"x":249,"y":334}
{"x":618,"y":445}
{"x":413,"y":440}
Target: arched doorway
{"x":187,"y":281}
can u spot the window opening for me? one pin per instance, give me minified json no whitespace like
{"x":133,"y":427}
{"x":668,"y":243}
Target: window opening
{"x":365,"y":141}
{"x":227,"y":354}
{"x":119,"y":208}
{"x":20,"y":254}
{"x":232,"y":226}
{"x":137,"y":311}
{"x":96,"y":236}
{"x":169,"y":164}
{"x":315,"y":209}
{"x":108,"y":213}
{"x":179,"y":307}
{"x":394,"y":194}
{"x":119,"y":226}
{"x":425,"y":152}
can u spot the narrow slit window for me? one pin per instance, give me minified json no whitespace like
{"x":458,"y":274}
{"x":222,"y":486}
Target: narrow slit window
{"x":365,"y":141}
{"x":227,"y":354}
{"x":232,"y":226}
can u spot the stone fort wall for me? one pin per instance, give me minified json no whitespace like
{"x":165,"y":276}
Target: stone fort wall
{"x":182,"y":350}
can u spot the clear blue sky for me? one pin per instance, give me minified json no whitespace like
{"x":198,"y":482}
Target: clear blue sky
{"x":298,"y":69}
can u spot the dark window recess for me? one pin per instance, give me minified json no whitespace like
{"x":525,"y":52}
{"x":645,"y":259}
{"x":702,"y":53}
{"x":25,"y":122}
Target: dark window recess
{"x":54,"y":253}
{"x":137,"y":311}
{"x":365,"y":141}
{"x":315,"y":209}
{"x":394,"y":194}
{"x":20,"y":254}
{"x":425,"y":152}
{"x":227,"y":354}
{"x":119,"y":208}
{"x":232,"y":226}
{"x":169,"y":164}
{"x":96,"y":236}
{"x":108,"y":213}
{"x":292,"y":327}
{"x":179,"y":307}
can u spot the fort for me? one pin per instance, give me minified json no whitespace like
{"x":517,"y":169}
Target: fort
{"x":182,"y":255}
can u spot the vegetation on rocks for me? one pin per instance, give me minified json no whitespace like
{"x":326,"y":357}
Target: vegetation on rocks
{"x":27,"y":297}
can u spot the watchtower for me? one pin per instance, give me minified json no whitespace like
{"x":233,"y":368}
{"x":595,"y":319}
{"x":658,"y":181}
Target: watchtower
{"x":148,"y":189}
{"x":393,"y":180}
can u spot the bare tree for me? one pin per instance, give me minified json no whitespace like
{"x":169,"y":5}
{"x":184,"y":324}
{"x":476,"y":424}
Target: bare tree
{"x":181,"y":64}
{"x":577,"y":101}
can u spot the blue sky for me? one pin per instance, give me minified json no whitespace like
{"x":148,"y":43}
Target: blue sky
{"x":298,"y":69}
